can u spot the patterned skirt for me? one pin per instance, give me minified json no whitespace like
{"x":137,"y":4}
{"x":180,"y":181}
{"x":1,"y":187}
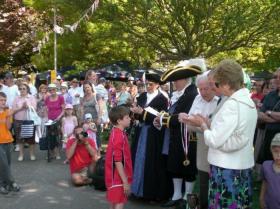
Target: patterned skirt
{"x":230,"y":188}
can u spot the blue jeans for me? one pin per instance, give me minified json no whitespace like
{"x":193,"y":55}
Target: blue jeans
{"x":6,"y":177}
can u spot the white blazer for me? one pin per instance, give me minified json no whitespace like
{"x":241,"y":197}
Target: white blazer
{"x":230,"y":137}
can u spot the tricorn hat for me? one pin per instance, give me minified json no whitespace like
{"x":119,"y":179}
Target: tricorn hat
{"x":184,"y":69}
{"x":153,"y":75}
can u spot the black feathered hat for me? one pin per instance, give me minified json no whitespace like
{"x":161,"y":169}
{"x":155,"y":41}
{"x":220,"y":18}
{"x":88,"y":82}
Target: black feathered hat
{"x":153,"y":75}
{"x":185,"y":69}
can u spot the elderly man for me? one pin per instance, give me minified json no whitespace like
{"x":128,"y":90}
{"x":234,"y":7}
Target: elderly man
{"x":204,"y":104}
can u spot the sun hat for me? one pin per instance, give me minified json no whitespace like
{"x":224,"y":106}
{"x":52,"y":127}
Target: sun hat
{"x":52,"y":86}
{"x":68,"y":106}
{"x":88,"y":116}
{"x":276,"y":140}
{"x":64,"y":84}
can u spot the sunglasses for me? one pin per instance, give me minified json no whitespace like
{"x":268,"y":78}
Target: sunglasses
{"x":22,"y":89}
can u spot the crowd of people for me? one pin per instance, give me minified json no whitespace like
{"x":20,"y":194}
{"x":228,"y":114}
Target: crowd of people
{"x":161,"y":141}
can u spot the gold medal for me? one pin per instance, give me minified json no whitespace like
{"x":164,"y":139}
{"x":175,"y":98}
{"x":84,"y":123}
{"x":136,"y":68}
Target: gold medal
{"x":186,"y":162}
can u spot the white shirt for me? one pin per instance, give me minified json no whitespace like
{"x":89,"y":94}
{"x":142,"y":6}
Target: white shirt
{"x":73,"y":91}
{"x":11,"y":92}
{"x":177,"y":94}
{"x":202,"y":107}
{"x":101,"y":91}
{"x":151,"y":96}
{"x":33,"y":89}
{"x":3,"y":88}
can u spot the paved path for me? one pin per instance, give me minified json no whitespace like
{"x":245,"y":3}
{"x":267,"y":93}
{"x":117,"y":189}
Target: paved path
{"x":46,"y":186}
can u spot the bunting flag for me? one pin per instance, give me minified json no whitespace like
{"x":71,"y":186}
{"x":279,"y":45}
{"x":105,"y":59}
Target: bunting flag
{"x":58,"y":30}
{"x":72,"y":28}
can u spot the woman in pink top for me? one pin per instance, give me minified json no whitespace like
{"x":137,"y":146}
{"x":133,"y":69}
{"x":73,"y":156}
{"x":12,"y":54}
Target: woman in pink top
{"x":20,"y":107}
{"x":55,"y":109}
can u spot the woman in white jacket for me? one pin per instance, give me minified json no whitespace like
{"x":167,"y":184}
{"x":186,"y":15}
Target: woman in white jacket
{"x":230,"y":140}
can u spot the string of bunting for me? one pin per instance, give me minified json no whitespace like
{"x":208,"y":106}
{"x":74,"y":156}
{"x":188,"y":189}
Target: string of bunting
{"x":72,"y":28}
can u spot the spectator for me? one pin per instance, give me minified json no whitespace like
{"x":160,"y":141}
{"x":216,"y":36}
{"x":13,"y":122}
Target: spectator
{"x":7,"y":182}
{"x":270,"y":190}
{"x":33,"y":89}
{"x":88,"y":103}
{"x":3,"y":87}
{"x":81,"y":155}
{"x":258,"y":96}
{"x":270,"y":115}
{"x":55,"y":110}
{"x":20,"y":111}
{"x":68,"y":123}
{"x":76,"y":92}
{"x":230,"y":140}
{"x":90,"y":127}
{"x":12,"y":89}
{"x":122,"y":95}
{"x":65,"y":94}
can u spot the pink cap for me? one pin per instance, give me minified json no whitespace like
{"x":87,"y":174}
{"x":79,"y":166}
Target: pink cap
{"x":68,"y":106}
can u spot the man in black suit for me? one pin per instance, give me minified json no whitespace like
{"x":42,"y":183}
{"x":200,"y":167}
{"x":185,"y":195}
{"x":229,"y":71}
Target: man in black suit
{"x":150,"y":177}
{"x":179,"y":146}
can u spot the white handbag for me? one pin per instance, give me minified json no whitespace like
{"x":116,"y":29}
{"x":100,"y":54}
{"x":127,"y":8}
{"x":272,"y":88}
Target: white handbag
{"x":32,"y":115}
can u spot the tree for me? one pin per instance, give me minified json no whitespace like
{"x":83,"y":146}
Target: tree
{"x":179,"y":29}
{"x":18,"y":25}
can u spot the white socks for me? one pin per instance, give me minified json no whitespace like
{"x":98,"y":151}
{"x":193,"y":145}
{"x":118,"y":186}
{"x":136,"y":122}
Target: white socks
{"x":177,"y":185}
{"x":188,"y":188}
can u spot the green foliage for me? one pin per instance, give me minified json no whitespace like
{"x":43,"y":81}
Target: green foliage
{"x":163,"y":31}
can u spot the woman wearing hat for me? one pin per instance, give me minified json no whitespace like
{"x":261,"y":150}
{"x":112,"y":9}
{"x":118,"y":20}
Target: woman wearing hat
{"x":55,"y":110}
{"x":64,"y":92}
{"x":150,"y":177}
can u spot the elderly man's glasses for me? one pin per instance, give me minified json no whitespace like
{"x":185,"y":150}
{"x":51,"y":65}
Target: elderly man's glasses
{"x":22,"y":89}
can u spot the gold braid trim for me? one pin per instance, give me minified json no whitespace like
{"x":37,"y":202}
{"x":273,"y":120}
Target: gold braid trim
{"x":145,"y":115}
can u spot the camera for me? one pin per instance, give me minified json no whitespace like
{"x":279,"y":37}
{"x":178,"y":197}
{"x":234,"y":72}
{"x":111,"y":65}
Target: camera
{"x":84,"y":134}
{"x":81,"y":135}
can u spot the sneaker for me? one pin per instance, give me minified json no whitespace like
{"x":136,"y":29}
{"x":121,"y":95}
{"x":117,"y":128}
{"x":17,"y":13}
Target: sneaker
{"x":13,"y":187}
{"x":17,"y":148}
{"x":3,"y":190}
{"x":20,"y":158}
{"x":58,"y":157}
{"x":32,"y":157}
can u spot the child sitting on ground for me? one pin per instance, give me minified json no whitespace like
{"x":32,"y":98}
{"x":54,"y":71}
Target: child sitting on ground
{"x":270,"y":190}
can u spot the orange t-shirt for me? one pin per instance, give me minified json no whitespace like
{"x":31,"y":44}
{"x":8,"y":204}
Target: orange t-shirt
{"x":5,"y":134}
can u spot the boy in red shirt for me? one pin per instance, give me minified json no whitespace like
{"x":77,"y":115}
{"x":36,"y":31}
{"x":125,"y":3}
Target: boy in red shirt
{"x":81,"y":153}
{"x":118,"y":164}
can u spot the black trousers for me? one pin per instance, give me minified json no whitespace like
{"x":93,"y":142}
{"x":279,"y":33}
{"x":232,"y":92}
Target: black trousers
{"x":203,"y":189}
